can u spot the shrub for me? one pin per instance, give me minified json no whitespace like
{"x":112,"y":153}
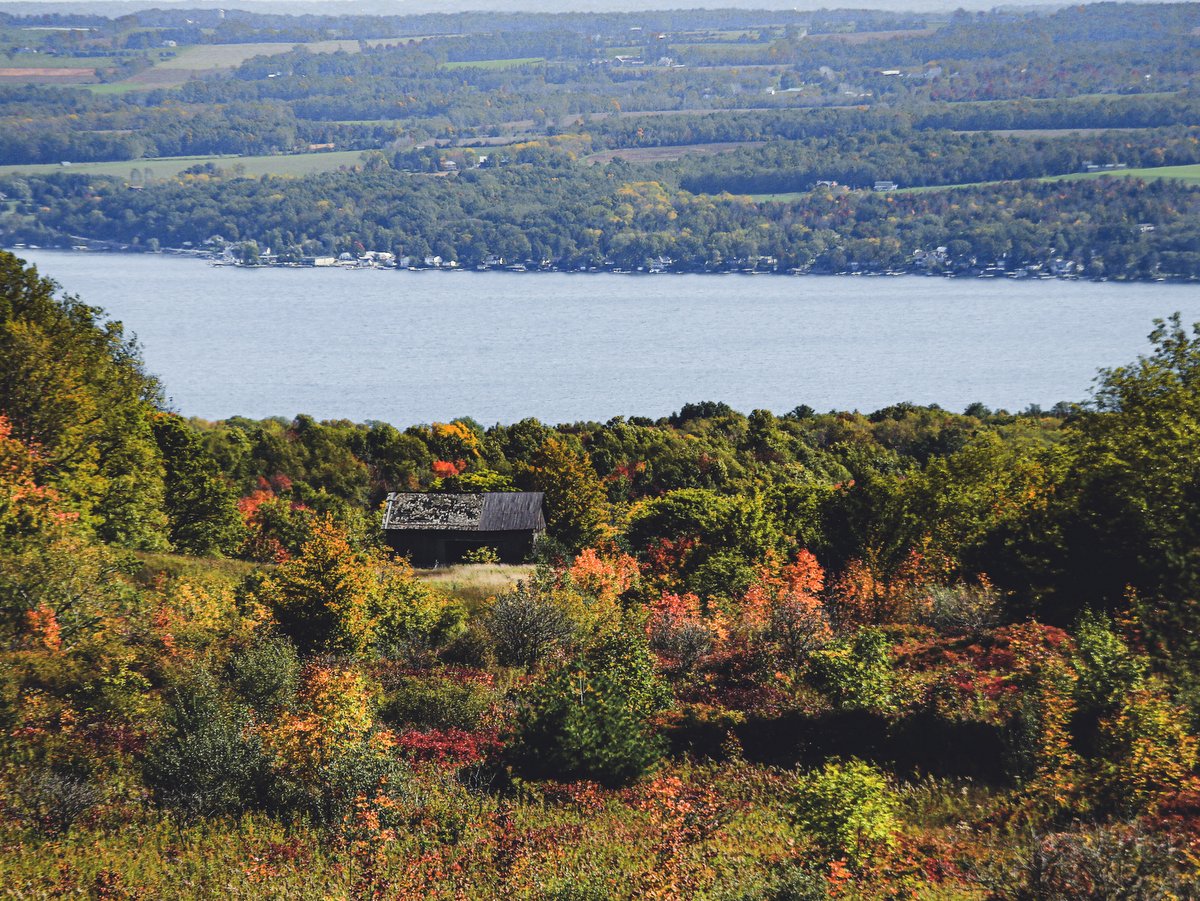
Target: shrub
{"x":1099,"y":864}
{"x":856,"y":672}
{"x":205,"y":763}
{"x":528,"y":627}
{"x":961,"y":609}
{"x":413,"y":621}
{"x":266,"y":674}
{"x":848,"y":809}
{"x":437,"y":703}
{"x":1147,"y":751}
{"x":51,"y":800}
{"x":1107,"y":669}
{"x":586,"y":720}
{"x":481,"y":555}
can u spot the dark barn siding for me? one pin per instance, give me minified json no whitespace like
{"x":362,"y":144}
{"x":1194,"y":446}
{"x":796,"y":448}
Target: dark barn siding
{"x":432,"y":529}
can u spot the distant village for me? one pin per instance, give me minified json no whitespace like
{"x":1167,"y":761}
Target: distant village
{"x":933,"y":261}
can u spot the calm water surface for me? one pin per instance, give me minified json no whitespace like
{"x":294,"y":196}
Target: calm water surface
{"x":407,"y":347}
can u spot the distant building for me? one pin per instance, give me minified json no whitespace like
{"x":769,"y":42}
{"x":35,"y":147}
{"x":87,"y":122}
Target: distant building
{"x":438,"y":529}
{"x":885,"y":186}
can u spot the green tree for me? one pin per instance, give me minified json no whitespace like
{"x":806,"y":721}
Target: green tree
{"x":73,"y":386}
{"x":201,"y":505}
{"x":576,"y":506}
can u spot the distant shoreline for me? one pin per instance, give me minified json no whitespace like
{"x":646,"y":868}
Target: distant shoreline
{"x":356,"y":265}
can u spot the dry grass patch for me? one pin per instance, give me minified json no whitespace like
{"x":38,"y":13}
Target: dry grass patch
{"x":474,"y":583}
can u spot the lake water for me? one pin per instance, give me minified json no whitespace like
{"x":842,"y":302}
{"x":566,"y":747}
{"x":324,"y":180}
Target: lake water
{"x":409,"y":347}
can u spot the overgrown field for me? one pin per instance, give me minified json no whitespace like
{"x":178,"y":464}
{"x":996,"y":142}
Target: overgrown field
{"x":914,"y":654}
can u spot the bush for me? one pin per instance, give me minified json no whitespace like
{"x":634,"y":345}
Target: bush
{"x":205,"y":763}
{"x":961,"y":609}
{"x":481,"y":555}
{"x":588,"y":720}
{"x":266,"y":674}
{"x":1147,"y":751}
{"x":528,"y":627}
{"x":437,"y":703}
{"x":1108,"y":671}
{"x":362,"y":775}
{"x":848,"y":809}
{"x":51,"y":800}
{"x":856,"y":672}
{"x":1099,"y":864}
{"x":413,"y":621}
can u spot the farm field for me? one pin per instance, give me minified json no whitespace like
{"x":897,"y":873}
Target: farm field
{"x":494,"y":63}
{"x":667,"y":153}
{"x":278,"y":164}
{"x":230,"y":56}
{"x":1187,"y":174}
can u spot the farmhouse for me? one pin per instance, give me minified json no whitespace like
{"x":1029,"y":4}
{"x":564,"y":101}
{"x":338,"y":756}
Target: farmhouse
{"x":435,"y":529}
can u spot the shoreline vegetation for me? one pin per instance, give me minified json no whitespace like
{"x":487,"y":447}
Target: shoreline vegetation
{"x":379,"y":262}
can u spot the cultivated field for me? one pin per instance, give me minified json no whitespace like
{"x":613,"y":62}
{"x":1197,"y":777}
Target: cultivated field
{"x":279,"y":164}
{"x":230,"y":56}
{"x":494,"y":63}
{"x":666,"y":154}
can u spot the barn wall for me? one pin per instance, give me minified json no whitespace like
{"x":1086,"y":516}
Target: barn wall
{"x":443,"y":547}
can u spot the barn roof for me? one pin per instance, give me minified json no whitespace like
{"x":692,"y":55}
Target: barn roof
{"x":491,"y":512}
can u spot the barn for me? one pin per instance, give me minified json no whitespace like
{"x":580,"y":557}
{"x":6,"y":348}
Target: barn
{"x":438,"y":529}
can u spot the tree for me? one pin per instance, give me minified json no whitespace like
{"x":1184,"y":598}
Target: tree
{"x":1131,"y":516}
{"x":848,"y":809}
{"x":576,"y":506}
{"x":72,"y":385}
{"x":200,"y":503}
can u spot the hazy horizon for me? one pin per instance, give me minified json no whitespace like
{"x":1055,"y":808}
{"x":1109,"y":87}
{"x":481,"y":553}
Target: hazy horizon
{"x":421,"y":7}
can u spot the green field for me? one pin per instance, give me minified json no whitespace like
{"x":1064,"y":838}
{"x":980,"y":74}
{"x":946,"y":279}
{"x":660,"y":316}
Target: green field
{"x":230,"y":56}
{"x":494,"y":63}
{"x":282,"y":164}
{"x":1186,"y":174}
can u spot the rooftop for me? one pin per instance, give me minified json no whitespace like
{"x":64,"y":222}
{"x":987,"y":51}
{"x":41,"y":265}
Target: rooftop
{"x":489,"y":512}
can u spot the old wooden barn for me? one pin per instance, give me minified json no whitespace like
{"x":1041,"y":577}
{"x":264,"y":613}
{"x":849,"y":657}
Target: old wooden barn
{"x":437,"y":529}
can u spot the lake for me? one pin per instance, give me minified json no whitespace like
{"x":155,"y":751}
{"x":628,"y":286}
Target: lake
{"x":409,"y":347}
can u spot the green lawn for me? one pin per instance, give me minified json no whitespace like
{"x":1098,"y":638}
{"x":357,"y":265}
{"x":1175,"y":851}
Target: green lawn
{"x":285,"y":164}
{"x":494,"y":63}
{"x":115,"y":87}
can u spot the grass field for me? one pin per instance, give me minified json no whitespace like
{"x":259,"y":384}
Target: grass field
{"x":1187,"y":174}
{"x":494,"y":63}
{"x":667,"y":153}
{"x":230,"y":56}
{"x":283,"y":164}
{"x":475,"y":583}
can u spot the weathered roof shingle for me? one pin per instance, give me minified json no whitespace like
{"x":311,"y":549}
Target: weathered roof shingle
{"x":491,"y":512}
